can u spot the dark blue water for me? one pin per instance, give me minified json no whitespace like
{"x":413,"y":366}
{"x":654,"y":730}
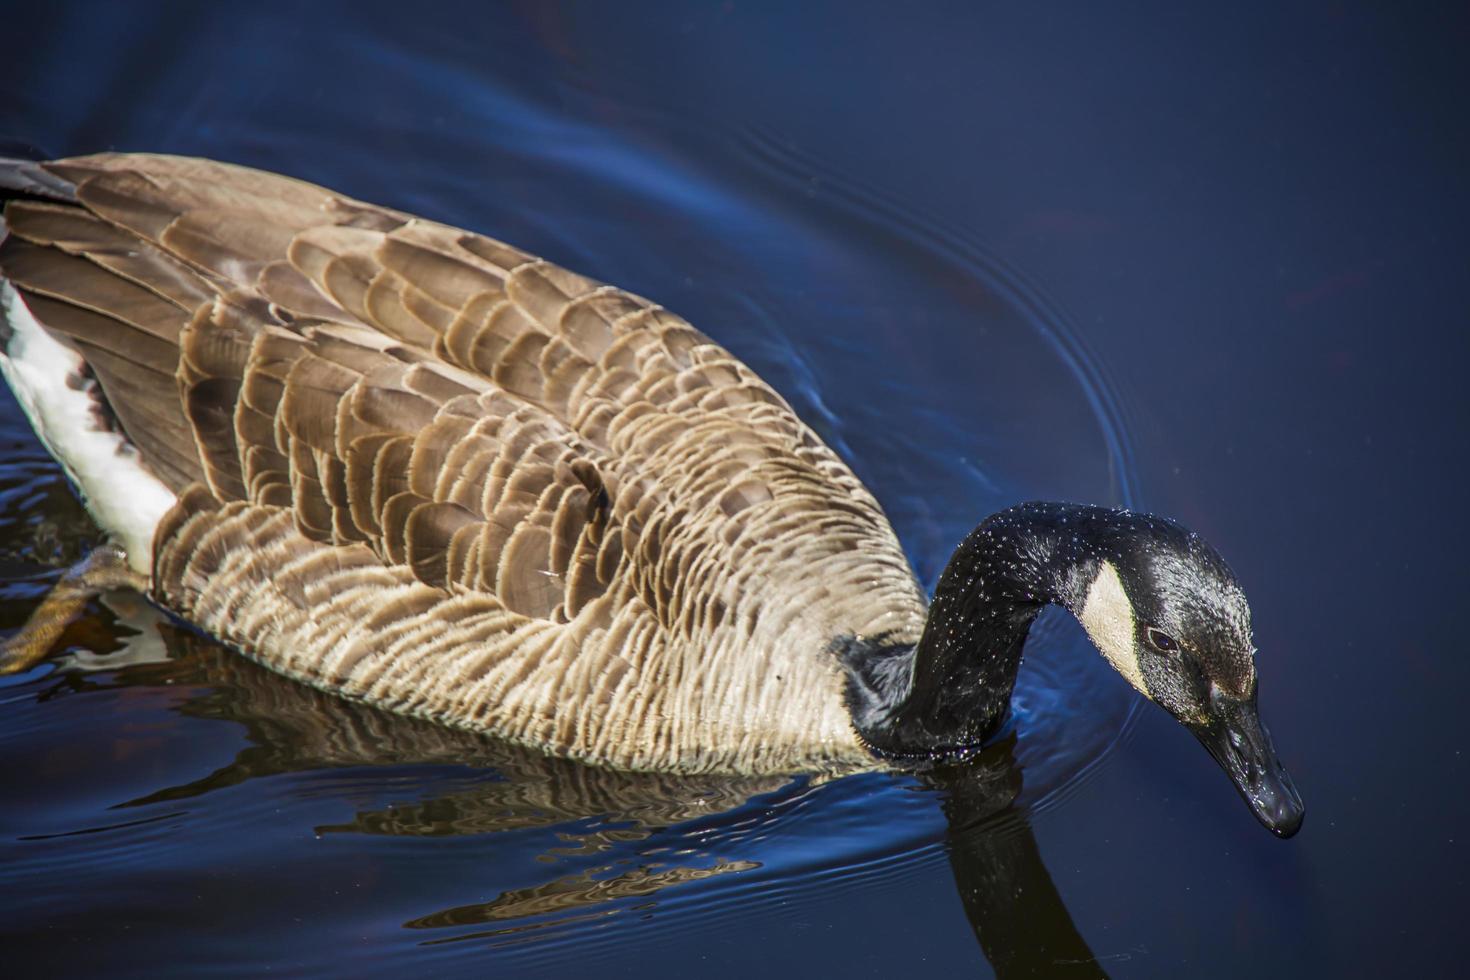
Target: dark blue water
{"x":1211,"y":263}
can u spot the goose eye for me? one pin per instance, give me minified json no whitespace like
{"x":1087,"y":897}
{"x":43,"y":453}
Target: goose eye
{"x":1162,"y":641}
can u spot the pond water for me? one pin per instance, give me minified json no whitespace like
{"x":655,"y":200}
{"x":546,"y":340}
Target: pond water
{"x":1211,"y":264}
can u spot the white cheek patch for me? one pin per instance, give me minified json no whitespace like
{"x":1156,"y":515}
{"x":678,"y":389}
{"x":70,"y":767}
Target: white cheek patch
{"x":1107,"y":616}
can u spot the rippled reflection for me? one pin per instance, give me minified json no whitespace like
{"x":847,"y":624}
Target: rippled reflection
{"x":631,"y":835}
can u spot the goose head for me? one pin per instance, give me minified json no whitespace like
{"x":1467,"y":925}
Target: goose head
{"x":1167,"y":612}
{"x":1159,"y":603}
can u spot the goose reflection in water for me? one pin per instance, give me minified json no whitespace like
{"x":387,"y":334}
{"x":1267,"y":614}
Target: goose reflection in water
{"x":629,"y":836}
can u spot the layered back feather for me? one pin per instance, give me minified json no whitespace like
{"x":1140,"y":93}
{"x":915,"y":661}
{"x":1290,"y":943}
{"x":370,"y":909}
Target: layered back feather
{"x":417,"y":466}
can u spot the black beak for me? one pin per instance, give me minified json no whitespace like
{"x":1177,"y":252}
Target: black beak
{"x":1236,"y":738}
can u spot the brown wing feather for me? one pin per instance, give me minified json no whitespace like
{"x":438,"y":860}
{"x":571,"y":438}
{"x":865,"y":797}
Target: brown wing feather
{"x":582,"y":490}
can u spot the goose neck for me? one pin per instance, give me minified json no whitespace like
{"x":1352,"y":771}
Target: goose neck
{"x":953,"y":690}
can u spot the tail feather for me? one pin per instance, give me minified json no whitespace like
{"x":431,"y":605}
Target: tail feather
{"x":76,"y":339}
{"x":28,"y":178}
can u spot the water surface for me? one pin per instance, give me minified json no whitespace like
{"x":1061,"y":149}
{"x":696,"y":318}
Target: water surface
{"x":1204,"y":264}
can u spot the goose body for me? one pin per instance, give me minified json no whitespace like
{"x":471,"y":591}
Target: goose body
{"x":416,"y":466}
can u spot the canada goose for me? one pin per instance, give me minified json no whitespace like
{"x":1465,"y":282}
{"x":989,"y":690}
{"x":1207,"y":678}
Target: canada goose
{"x":416,"y":466}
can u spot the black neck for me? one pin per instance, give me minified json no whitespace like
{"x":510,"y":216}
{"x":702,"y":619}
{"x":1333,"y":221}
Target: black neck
{"x":952,"y":691}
